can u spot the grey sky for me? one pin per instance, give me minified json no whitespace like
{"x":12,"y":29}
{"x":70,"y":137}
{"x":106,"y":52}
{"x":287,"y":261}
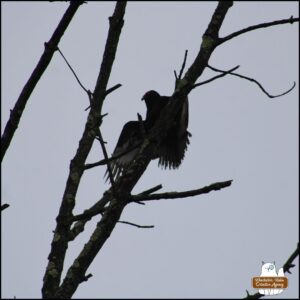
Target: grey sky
{"x":205,"y":246}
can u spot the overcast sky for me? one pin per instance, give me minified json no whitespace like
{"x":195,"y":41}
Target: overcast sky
{"x":206,"y":246}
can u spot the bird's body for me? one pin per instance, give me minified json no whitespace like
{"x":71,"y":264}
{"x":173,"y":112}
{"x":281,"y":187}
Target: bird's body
{"x":171,"y":149}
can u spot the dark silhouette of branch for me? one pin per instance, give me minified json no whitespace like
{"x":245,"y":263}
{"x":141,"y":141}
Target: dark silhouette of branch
{"x":136,"y":225}
{"x":88,"y":214}
{"x":150,"y":191}
{"x":254,"y":296}
{"x":215,"y":77}
{"x":288,"y":264}
{"x":4,"y":206}
{"x":147,"y":192}
{"x":255,"y":81}
{"x":175,"y":195}
{"x":183,"y":65}
{"x":114,"y":157}
{"x":147,"y":196}
{"x":72,"y":70}
{"x":178,"y":78}
{"x":64,"y":220}
{"x":110,"y":90}
{"x":50,"y":47}
{"x":82,"y":219}
{"x":87,"y":277}
{"x":99,"y":208}
{"x":291,"y":20}
{"x":101,"y":233}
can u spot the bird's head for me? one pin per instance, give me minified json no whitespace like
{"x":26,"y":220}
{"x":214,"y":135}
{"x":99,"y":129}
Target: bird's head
{"x":151,"y":96}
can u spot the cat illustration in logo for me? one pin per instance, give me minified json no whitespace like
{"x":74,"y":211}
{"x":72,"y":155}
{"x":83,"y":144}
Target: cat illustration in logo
{"x":269,"y":270}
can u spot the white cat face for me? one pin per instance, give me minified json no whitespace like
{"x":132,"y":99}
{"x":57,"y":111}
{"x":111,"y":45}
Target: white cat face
{"x":268,"y":269}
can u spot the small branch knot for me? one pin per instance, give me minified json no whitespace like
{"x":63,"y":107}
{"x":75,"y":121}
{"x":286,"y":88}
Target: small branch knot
{"x":50,"y":47}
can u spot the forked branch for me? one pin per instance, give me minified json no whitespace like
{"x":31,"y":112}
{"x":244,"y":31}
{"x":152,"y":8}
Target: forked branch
{"x":175,"y":195}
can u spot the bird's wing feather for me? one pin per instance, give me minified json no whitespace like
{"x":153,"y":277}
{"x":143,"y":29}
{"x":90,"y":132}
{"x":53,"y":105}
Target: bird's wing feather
{"x":173,"y":147}
{"x":130,"y":138}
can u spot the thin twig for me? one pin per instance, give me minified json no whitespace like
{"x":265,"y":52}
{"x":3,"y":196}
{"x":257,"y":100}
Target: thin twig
{"x":87,"y":215}
{"x":105,"y":161}
{"x":214,"y":78}
{"x":87,"y":277}
{"x":255,"y":81}
{"x":183,"y":64}
{"x":150,"y":191}
{"x":175,"y":195}
{"x":147,"y":192}
{"x":288,"y":264}
{"x":291,"y":20}
{"x":110,"y":90}
{"x":175,"y":74}
{"x":72,"y":71}
{"x":136,"y":225}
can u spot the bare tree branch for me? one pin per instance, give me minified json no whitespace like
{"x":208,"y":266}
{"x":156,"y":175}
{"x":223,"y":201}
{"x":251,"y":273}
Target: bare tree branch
{"x":64,"y":220}
{"x":72,"y":70}
{"x":50,"y":47}
{"x":183,"y":64}
{"x":175,"y":74}
{"x":4,"y":206}
{"x":175,"y":195}
{"x":255,"y":81}
{"x":215,"y":77}
{"x":288,"y":264}
{"x":110,"y":90}
{"x":150,"y":191}
{"x":114,"y":157}
{"x":101,"y":233}
{"x":136,"y":225}
{"x":98,"y":208}
{"x":82,"y":219}
{"x":87,"y":277}
{"x":291,"y":20}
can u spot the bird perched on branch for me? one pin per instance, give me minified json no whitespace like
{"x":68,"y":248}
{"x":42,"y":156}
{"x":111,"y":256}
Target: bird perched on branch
{"x":171,"y":149}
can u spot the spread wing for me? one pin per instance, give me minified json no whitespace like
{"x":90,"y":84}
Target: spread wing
{"x":173,"y":147}
{"x":126,"y":148}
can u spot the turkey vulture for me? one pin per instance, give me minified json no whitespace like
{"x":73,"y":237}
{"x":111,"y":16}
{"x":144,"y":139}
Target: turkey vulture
{"x":170,"y":151}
